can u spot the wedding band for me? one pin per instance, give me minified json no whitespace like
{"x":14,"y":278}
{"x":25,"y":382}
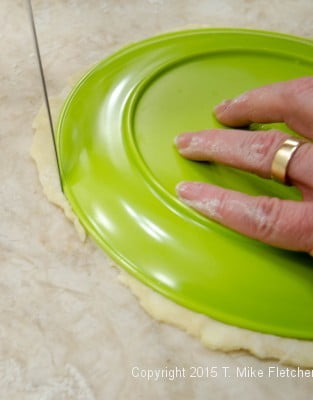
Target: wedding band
{"x":282,"y":159}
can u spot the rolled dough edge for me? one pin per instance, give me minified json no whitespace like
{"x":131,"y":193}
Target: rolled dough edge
{"x":219,"y":336}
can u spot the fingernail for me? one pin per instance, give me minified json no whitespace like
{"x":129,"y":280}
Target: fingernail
{"x":189,"y":143}
{"x":181,"y":188}
{"x":183,"y":140}
{"x":189,"y":190}
{"x":191,"y":194}
{"x":220,"y":108}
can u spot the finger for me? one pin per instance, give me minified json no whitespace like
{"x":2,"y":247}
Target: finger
{"x":289,"y":101}
{"x":281,"y":223}
{"x":251,"y":151}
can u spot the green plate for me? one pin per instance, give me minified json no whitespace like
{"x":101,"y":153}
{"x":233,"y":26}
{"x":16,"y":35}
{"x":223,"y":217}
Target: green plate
{"x":119,"y":170}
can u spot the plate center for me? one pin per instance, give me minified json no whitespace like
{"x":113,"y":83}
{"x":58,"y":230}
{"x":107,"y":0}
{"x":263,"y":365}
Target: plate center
{"x":182,"y":97}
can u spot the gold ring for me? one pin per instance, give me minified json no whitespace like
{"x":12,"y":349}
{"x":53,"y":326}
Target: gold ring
{"x":282,"y":159}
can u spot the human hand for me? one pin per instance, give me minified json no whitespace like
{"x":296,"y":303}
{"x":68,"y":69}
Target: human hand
{"x":283,"y":223}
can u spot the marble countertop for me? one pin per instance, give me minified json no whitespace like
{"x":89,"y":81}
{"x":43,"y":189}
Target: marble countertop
{"x":68,"y":328}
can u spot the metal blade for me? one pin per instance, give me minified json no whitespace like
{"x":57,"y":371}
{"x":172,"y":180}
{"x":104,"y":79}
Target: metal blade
{"x":44,"y":85}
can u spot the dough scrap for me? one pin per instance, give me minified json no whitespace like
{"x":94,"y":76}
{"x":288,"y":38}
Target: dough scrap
{"x":212,"y":333}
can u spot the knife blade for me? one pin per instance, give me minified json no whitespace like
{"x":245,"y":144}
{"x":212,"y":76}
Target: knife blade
{"x":44,"y":85}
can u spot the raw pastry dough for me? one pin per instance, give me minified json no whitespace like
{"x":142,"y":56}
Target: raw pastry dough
{"x":43,"y":153}
{"x":212,"y":333}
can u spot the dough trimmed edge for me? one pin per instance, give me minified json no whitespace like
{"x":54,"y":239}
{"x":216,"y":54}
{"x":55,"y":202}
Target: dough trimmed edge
{"x":42,"y":152}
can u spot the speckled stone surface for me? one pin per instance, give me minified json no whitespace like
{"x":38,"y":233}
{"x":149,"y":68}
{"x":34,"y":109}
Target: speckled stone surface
{"x":68,"y":328}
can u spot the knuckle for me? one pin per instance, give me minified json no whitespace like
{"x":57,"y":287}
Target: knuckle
{"x":300,"y":167}
{"x":259,"y":144}
{"x":266,"y":217}
{"x":302,"y":86}
{"x":305,"y":229}
{"x":223,"y":201}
